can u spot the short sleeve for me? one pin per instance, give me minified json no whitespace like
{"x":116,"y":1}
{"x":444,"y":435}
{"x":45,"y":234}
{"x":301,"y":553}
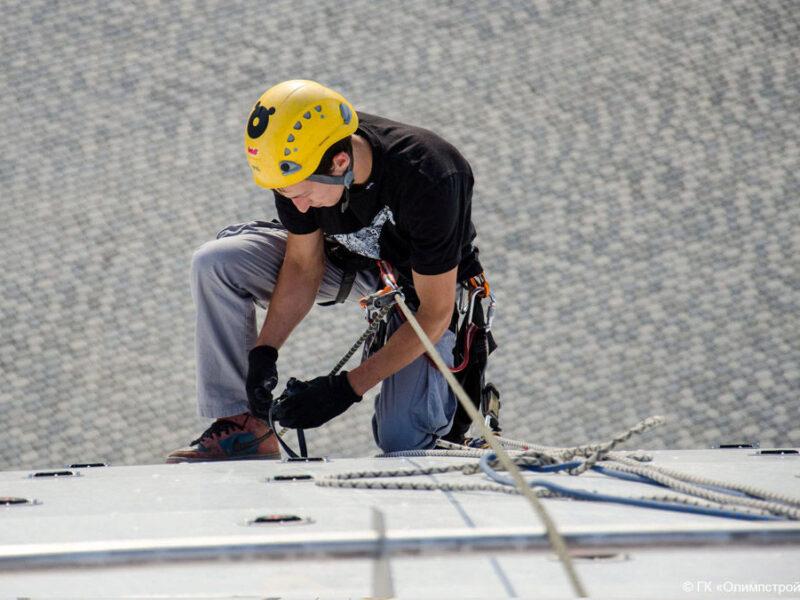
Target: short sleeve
{"x":437,"y":222}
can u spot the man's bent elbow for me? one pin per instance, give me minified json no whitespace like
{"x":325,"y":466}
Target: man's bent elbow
{"x":434,"y":325}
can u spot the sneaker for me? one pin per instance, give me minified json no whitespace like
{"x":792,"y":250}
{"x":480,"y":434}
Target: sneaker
{"x":232,"y":438}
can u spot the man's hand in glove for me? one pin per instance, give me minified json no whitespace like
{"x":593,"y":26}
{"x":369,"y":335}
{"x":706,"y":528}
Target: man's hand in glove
{"x":308,"y":404}
{"x":262,"y":377}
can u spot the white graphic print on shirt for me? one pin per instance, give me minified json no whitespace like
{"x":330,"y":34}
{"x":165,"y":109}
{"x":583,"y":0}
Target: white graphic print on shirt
{"x":365,"y":240}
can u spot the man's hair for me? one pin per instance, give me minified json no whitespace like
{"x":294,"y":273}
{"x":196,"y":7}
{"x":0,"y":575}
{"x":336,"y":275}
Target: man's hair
{"x":326,"y":163}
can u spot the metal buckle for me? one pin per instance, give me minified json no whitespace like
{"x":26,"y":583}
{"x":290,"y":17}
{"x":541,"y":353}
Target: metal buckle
{"x":374,"y":303}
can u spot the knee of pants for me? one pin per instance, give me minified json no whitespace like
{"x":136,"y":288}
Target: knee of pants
{"x":415,"y":405}
{"x":236,"y":261}
{"x":210,"y":259}
{"x":418,"y":427}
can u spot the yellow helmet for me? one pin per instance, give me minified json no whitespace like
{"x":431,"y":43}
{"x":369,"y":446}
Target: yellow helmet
{"x":291,"y":127}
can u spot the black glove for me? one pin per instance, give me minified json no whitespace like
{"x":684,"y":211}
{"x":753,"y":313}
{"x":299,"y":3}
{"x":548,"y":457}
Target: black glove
{"x":262,"y":377}
{"x":308,"y":404}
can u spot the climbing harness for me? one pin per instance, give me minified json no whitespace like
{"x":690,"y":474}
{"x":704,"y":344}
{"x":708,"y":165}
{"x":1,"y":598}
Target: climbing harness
{"x":474,"y":344}
{"x":349,"y":262}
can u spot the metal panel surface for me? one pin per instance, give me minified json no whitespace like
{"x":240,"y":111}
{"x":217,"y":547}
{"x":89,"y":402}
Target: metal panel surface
{"x":163,"y":529}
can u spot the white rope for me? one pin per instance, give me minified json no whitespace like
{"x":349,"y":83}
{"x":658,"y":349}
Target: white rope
{"x":694,"y":502}
{"x":763,"y":501}
{"x":694,"y":486}
{"x":379,"y":484}
{"x":460,"y":451}
{"x":557,"y":541}
{"x":697,"y":491}
{"x":564,"y":454}
{"x":373,"y":480}
{"x":694,"y":489}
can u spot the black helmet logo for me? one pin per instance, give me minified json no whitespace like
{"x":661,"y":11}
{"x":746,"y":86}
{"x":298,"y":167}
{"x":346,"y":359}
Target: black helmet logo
{"x":259,"y":119}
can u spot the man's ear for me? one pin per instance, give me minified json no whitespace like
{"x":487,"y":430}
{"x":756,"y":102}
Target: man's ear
{"x":340,"y":163}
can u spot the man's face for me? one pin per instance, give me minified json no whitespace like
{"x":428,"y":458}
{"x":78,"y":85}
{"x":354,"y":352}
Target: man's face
{"x":306,"y":194}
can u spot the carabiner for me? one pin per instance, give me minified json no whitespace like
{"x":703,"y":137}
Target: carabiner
{"x":380,"y":299}
{"x":375,"y":303}
{"x":480,"y":282}
{"x":490,"y":311}
{"x":474,"y":294}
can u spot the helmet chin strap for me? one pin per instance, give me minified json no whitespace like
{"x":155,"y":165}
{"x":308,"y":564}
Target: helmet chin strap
{"x":346,"y":180}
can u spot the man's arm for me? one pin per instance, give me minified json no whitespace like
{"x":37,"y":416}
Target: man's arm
{"x":298,"y":282}
{"x":437,"y":296}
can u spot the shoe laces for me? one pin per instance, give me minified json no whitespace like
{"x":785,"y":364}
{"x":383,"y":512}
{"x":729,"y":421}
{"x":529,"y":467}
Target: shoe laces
{"x":218,"y":428}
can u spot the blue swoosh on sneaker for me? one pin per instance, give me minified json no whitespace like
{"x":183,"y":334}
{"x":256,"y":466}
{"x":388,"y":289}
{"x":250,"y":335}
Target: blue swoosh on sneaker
{"x":242,"y":443}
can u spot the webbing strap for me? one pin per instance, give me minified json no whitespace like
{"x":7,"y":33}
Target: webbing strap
{"x":348,"y":279}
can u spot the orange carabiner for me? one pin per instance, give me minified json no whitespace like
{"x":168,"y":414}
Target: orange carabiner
{"x":479,"y":281}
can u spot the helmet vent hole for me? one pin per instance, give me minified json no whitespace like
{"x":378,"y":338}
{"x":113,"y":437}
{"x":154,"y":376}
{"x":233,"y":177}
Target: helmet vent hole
{"x":307,"y":115}
{"x":298,"y":125}
{"x":288,"y":167}
{"x":290,"y":138}
{"x":286,"y":152}
{"x":346,"y":114}
{"x":318,"y":108}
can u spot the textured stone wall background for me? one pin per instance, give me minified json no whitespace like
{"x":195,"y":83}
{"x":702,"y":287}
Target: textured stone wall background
{"x":637,"y":204}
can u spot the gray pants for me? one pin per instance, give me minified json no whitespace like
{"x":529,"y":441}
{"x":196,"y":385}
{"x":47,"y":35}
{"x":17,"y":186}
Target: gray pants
{"x":236,"y":272}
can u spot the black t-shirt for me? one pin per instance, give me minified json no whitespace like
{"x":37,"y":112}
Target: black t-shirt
{"x":415,"y":209}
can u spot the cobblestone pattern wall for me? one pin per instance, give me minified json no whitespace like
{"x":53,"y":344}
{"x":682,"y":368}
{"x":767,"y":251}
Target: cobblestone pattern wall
{"x":637,"y":205}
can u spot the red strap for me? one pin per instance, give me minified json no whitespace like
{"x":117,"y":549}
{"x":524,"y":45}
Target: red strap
{"x":471,"y":330}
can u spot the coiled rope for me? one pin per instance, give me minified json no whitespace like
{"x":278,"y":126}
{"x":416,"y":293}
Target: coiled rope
{"x":701,"y":495}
